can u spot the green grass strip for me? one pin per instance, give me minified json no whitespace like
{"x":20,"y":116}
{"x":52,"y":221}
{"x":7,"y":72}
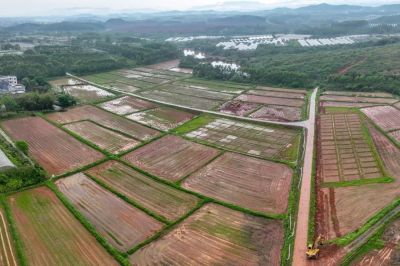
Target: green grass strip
{"x":358,"y":182}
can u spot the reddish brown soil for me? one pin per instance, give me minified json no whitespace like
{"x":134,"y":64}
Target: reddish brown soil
{"x":395,"y":135}
{"x":171,"y":157}
{"x":344,"y":209}
{"x":155,"y":196}
{"x":50,"y":234}
{"x":342,"y":98}
{"x":346,"y":104}
{"x":249,"y":182}
{"x":346,"y":69}
{"x":387,"y":117}
{"x":280,"y":94}
{"x":238,"y":108}
{"x":105,"y":119}
{"x":216,"y":235}
{"x":104,"y":138}
{"x":126,"y":105}
{"x":282,"y":90}
{"x":278,"y":113}
{"x":121,"y":224}
{"x":270,"y":100}
{"x":56,"y":151}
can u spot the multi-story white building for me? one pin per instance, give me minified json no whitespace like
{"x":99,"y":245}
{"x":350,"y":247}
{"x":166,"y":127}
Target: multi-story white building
{"x":9,"y":84}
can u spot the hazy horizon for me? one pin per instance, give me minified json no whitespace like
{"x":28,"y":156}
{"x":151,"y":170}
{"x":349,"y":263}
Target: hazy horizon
{"x":61,"y":7}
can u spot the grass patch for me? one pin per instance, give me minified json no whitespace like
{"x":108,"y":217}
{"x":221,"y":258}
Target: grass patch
{"x":194,"y":124}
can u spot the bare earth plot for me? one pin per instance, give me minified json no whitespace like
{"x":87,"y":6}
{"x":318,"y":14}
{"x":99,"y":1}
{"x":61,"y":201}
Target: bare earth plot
{"x":361,"y":99}
{"x":56,"y":151}
{"x":59,"y":83}
{"x":342,"y":210}
{"x":386,"y":117}
{"x":346,"y":104}
{"x":197,"y":92}
{"x":50,"y":233}
{"x":245,"y":181}
{"x":261,"y":141}
{"x":343,"y":151}
{"x":300,"y":91}
{"x":277,"y":113}
{"x":270,"y":100}
{"x":282,"y":94}
{"x":180,"y":99}
{"x":120,"y":223}
{"x":162,"y":118}
{"x":216,"y":235}
{"x":238,"y":108}
{"x":214,"y":86}
{"x":105,"y":119}
{"x":122,"y":86}
{"x":7,"y":252}
{"x":87,"y":93}
{"x":360,"y":94}
{"x":126,"y":105}
{"x":157,"y":197}
{"x":104,"y":138}
{"x":171,"y":157}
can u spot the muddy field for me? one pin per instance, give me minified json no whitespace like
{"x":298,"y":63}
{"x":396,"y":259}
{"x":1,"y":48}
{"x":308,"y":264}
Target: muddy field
{"x":343,"y":210}
{"x":197,"y":92}
{"x":359,"y":94}
{"x":245,"y":181}
{"x":87,"y":93}
{"x":346,"y":104}
{"x":157,"y":197}
{"x":340,"y":98}
{"x":122,"y":86}
{"x":56,"y":151}
{"x":386,"y":117}
{"x":105,"y":119}
{"x":344,"y":152}
{"x":270,"y":100}
{"x":165,"y":65}
{"x":121,"y":224}
{"x":7,"y":252}
{"x":280,"y":94}
{"x":50,"y":234}
{"x":162,"y":118}
{"x":171,"y":157}
{"x":238,"y":108}
{"x":262,"y":141}
{"x":59,"y":83}
{"x":281,"y":90}
{"x":104,"y":138}
{"x":278,"y":113}
{"x":126,"y":105}
{"x":180,"y":99}
{"x":224,"y":87}
{"x":216,"y":235}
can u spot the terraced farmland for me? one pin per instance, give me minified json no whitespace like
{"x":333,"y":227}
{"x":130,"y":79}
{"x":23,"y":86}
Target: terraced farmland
{"x":87,"y":93}
{"x":270,"y":100}
{"x":162,"y":118}
{"x":157,"y":197}
{"x":216,"y":235}
{"x":249,"y":182}
{"x":281,"y":94}
{"x":104,"y":138}
{"x":126,"y":105}
{"x":50,"y":234}
{"x":105,"y":119}
{"x":56,"y":151}
{"x":357,"y":99}
{"x":171,"y":157}
{"x":196,"y":92}
{"x":386,"y":117}
{"x":121,"y":224}
{"x":257,"y":140}
{"x":344,"y":151}
{"x":7,"y":252}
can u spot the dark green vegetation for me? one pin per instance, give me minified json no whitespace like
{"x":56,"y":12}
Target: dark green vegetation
{"x":33,"y":101}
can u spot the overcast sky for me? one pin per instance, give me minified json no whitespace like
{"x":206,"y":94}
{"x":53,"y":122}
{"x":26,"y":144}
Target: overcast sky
{"x":48,"y":7}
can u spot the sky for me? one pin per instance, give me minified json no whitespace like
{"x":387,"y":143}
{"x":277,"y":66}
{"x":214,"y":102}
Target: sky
{"x":10,"y":8}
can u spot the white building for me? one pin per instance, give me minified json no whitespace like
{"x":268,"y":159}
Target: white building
{"x":9,"y":84}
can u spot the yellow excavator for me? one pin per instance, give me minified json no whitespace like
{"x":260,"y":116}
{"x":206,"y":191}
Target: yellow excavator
{"x":313,"y":249}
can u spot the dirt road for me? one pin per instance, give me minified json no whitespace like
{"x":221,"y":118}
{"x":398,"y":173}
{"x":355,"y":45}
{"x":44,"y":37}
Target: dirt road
{"x":300,"y":244}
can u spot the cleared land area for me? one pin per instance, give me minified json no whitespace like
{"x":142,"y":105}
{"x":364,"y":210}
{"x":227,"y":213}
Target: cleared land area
{"x":245,"y":181}
{"x":342,"y":210}
{"x":277,"y":113}
{"x":282,"y":90}
{"x":120,"y":223}
{"x":7,"y":252}
{"x":86,"y":93}
{"x":162,"y":118}
{"x":257,"y":140}
{"x":105,"y":119}
{"x":386,"y":117}
{"x":360,"y":94}
{"x":197,"y":92}
{"x":104,"y":138}
{"x":346,"y":104}
{"x":216,"y":235}
{"x":238,"y":108}
{"x":171,"y":157}
{"x":282,"y":94}
{"x":344,"y":153}
{"x":157,"y":197}
{"x":360,"y":99}
{"x":180,"y":99}
{"x":50,"y":233}
{"x":126,"y":105}
{"x":56,"y":151}
{"x":270,"y":100}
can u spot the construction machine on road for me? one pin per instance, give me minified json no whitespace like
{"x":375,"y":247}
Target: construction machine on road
{"x":314,"y":249}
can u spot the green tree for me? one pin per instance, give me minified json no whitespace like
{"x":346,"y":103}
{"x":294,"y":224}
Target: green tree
{"x":66,"y":100}
{"x":23,"y":146}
